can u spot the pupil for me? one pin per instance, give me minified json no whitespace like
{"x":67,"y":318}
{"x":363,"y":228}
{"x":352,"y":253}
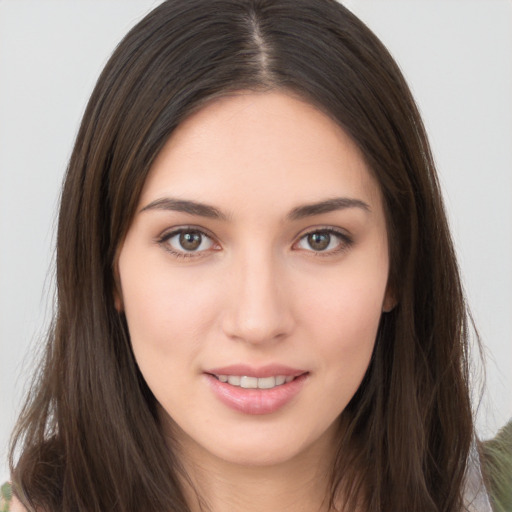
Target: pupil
{"x":319,"y":241}
{"x":190,"y":241}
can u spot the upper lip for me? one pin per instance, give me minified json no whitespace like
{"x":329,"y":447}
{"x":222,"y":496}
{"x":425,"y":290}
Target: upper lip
{"x":270,"y":370}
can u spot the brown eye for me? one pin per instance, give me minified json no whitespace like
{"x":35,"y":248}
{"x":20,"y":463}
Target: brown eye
{"x":183,"y":242}
{"x":319,"y":241}
{"x":190,"y":241}
{"x":328,"y":241}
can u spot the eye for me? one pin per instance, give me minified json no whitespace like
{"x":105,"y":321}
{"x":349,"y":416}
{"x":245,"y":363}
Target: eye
{"x":187,"y":242}
{"x":324,"y":241}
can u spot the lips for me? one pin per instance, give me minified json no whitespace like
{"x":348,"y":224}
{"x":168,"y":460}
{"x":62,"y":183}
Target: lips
{"x":250,"y":390}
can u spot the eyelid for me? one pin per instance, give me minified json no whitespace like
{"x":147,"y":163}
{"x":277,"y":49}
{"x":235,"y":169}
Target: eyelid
{"x":169,"y":233}
{"x":346,"y":240}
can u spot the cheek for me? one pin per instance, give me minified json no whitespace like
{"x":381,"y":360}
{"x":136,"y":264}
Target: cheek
{"x":167,"y":328}
{"x":167,"y":312}
{"x":343,"y":317}
{"x":350,"y":303}
{"x":346,"y":337}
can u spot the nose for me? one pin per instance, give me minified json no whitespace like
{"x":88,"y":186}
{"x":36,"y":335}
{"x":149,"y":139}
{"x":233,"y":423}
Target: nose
{"x":259,"y":309}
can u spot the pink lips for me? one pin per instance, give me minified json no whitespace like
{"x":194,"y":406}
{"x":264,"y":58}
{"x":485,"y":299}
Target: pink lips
{"x":256,"y":401}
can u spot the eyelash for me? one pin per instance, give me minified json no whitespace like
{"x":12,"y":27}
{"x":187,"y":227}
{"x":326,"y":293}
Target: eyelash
{"x":345,"y":242}
{"x":164,"y":239}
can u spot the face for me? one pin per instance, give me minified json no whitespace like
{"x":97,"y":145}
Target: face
{"x":253,"y":278}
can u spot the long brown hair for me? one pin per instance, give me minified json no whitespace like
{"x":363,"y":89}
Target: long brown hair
{"x":88,"y":438}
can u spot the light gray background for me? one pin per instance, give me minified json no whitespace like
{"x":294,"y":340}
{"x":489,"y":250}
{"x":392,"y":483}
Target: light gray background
{"x":457,"y":56}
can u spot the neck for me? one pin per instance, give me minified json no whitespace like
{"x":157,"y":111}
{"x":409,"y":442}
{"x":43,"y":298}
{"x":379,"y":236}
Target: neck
{"x":300,"y":484}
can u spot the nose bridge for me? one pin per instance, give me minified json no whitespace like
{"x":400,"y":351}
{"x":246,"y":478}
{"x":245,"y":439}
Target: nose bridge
{"x":259,"y":310}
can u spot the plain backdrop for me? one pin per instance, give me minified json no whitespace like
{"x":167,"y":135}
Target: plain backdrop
{"x":456,"y":55}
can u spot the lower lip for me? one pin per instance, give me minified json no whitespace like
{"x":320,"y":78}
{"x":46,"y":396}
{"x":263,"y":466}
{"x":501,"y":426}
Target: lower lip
{"x":256,"y":401}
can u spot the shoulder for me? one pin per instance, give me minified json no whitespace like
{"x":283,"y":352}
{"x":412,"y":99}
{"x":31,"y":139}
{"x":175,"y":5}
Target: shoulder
{"x":476,"y":497}
{"x":16,"y":506}
{"x":497,"y":467}
{"x":9,"y":502}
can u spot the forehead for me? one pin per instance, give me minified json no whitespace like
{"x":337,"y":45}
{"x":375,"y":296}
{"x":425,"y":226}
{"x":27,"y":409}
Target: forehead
{"x":258,"y":147}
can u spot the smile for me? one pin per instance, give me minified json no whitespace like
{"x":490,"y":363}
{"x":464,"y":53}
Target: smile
{"x":246,"y":382}
{"x":249,"y":394}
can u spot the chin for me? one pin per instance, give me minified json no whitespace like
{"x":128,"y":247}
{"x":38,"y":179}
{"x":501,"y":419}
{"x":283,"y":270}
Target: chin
{"x":260,"y":445}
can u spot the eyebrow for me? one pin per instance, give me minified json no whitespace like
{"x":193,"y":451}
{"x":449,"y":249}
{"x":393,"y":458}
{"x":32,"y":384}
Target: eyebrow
{"x":182,"y":205}
{"x":330,"y":205}
{"x":211,"y":212}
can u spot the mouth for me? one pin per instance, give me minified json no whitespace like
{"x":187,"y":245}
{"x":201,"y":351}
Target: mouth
{"x":248,"y":382}
{"x":256,"y":390}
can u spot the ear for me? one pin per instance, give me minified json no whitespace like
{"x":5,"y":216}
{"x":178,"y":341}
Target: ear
{"x":118,"y":299}
{"x":390,"y":301}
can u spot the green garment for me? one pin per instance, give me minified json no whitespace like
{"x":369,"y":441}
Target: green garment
{"x":497,"y":469}
{"x":5,"y":497}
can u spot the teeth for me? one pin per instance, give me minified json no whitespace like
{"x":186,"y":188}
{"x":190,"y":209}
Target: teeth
{"x":267,"y":383}
{"x":249,"y":382}
{"x":234,"y":380}
{"x":255,"y":382}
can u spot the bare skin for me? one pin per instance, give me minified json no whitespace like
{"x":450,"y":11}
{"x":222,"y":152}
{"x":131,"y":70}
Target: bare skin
{"x":259,"y":244}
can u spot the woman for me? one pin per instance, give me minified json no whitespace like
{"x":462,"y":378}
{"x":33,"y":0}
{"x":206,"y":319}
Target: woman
{"x":259,"y":306}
